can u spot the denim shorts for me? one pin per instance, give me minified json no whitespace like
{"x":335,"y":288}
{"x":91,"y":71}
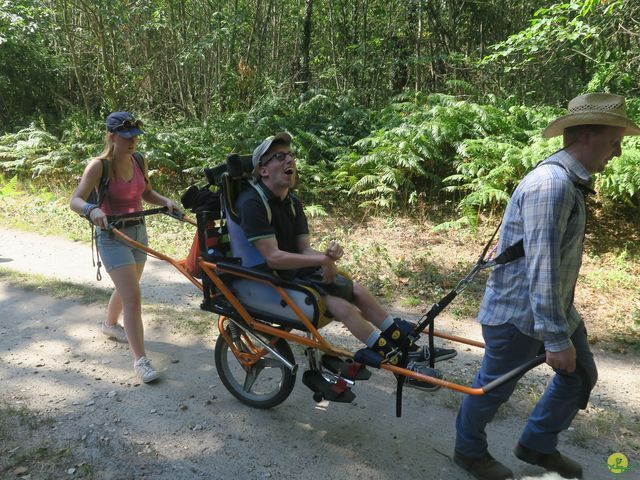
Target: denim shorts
{"x":116,"y":253}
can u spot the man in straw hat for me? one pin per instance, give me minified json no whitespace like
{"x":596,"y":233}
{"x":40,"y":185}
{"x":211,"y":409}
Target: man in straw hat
{"x":528,"y":303}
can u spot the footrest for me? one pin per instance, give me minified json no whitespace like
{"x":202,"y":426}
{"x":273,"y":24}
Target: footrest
{"x":325,"y":390}
{"x":346,"y":368}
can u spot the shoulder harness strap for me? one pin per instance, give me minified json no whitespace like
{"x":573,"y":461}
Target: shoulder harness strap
{"x":263,"y":197}
{"x":265,"y":202}
{"x":515,"y":251}
{"x":585,"y":189}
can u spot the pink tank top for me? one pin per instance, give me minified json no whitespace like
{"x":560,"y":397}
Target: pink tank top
{"x":123,"y":196}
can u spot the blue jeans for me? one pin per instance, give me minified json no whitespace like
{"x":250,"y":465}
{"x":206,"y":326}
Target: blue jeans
{"x":506,"y":348}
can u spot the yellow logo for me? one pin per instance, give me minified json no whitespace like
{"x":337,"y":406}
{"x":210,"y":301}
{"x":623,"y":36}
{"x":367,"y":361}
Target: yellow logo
{"x":618,"y":463}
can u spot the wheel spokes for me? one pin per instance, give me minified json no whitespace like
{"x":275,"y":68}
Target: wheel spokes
{"x":253,"y":372}
{"x":250,"y":378}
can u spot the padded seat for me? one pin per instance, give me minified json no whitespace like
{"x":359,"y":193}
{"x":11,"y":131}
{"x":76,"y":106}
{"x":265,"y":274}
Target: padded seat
{"x":259,"y":297}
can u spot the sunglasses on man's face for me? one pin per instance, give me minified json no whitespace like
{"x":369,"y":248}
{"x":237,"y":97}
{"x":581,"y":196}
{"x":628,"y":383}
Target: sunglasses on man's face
{"x":128,"y":125}
{"x":279,"y":156}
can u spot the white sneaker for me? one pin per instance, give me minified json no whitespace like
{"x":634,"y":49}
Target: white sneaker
{"x":115,"y":331}
{"x":144,"y":370}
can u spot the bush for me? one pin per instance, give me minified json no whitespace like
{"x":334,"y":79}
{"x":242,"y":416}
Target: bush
{"x":419,"y":148}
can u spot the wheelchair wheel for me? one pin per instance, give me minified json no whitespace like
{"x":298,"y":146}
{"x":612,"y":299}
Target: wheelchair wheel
{"x":264,"y":384}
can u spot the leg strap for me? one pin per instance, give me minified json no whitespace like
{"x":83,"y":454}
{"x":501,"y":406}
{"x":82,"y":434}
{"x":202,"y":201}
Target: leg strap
{"x":398,"y":335}
{"x":390,"y":345}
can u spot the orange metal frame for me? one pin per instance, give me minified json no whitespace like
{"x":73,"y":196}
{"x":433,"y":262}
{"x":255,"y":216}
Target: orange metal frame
{"x":314,"y":340}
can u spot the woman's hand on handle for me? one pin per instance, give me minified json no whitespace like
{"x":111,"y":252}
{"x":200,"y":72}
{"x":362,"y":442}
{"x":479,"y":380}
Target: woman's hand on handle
{"x":172,"y":207}
{"x":98,"y":218}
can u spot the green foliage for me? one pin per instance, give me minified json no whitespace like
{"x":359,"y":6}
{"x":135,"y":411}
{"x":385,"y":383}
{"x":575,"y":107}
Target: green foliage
{"x":313,"y":211}
{"x":35,"y":153}
{"x":620,"y":182}
{"x":490,"y":168}
{"x":10,"y":188}
{"x":27,"y":151}
{"x":559,"y":24}
{"x":569,"y":48}
{"x":422,"y":140}
{"x":420,"y":148}
{"x":30,"y":76}
{"x":323,"y":126}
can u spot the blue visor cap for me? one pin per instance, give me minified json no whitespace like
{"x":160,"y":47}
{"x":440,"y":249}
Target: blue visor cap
{"x":123,"y":124}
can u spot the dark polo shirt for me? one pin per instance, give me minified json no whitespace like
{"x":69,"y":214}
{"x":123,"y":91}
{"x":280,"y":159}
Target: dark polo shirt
{"x":286,"y":226}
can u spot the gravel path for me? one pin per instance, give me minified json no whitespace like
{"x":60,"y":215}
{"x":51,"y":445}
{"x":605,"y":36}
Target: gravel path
{"x":54,"y":361}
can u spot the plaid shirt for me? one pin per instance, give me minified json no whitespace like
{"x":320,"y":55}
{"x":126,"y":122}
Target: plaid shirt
{"x":535,"y":292}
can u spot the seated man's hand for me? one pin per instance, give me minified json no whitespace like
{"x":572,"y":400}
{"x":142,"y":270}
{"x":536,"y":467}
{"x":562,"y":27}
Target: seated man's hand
{"x":334,"y":250}
{"x":329,"y":270}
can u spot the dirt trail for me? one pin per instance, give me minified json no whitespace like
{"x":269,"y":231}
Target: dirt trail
{"x":55,"y":362}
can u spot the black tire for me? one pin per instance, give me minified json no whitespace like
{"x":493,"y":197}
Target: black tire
{"x":266,"y":384}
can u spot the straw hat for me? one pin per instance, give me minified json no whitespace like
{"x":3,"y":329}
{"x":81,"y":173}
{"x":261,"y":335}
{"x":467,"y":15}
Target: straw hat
{"x":594,"y":109}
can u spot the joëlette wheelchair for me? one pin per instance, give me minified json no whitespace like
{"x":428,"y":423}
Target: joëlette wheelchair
{"x":259,"y":313}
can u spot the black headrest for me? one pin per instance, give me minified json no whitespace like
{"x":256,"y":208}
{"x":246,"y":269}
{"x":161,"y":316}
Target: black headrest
{"x":197,"y":199}
{"x":215,"y":173}
{"x":239,"y":166}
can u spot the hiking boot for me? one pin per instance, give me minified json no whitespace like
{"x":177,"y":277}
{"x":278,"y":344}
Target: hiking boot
{"x":553,"y":462}
{"x":144,"y":370}
{"x":423,"y":354}
{"x":419,"y":384}
{"x":483,"y":468}
{"x":115,"y":331}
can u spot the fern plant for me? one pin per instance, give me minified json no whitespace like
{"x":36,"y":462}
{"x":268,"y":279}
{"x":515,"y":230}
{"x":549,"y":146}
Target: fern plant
{"x":28,"y":152}
{"x":620,"y":181}
{"x":416,"y":146}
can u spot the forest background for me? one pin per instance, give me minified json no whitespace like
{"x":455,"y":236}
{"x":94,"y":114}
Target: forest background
{"x":424,"y":111}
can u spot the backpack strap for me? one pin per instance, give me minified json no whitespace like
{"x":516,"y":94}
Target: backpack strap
{"x":140,"y":160}
{"x":103,"y":186}
{"x":94,"y":247}
{"x":101,"y":192}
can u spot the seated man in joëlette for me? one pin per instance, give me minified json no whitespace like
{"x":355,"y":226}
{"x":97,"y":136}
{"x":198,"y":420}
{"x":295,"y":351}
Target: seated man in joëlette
{"x":282,"y":238}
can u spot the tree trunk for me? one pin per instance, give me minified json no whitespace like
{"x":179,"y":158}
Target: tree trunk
{"x":305,"y":71}
{"x":418,"y":84}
